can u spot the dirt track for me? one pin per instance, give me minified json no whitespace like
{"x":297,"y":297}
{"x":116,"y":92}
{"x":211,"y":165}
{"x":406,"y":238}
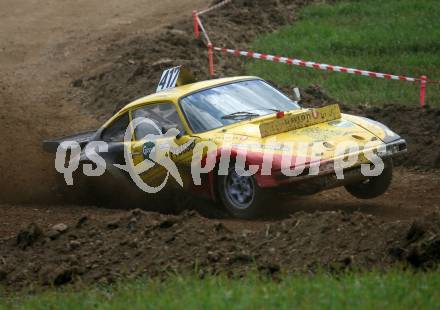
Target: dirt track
{"x":110,"y":54}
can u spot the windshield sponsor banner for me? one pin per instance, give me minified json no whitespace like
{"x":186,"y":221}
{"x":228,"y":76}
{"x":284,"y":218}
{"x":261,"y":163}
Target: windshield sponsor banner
{"x":300,"y":120}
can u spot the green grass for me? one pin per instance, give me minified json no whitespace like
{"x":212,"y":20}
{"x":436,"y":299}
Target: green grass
{"x":373,"y":290}
{"x":388,"y":36}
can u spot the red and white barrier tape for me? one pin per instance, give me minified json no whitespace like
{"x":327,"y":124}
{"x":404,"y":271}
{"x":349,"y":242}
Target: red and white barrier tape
{"x":205,"y":34}
{"x":198,"y":25}
{"x":314,"y":65}
{"x":218,"y":5}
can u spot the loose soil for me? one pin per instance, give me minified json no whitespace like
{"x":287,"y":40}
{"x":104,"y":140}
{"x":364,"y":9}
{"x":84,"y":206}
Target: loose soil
{"x":154,"y":245}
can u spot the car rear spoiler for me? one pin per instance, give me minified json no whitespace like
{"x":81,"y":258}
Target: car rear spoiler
{"x":82,"y":138}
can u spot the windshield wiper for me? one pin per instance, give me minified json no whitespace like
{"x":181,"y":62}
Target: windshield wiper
{"x":240,"y":114}
{"x":270,"y":109}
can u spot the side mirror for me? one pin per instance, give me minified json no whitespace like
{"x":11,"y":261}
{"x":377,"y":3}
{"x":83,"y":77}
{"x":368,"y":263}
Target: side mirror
{"x":297,"y":94}
{"x":167,"y":127}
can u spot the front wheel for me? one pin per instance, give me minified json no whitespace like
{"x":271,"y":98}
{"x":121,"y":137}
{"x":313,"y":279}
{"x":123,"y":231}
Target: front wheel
{"x":374,"y":186}
{"x":241,"y":195}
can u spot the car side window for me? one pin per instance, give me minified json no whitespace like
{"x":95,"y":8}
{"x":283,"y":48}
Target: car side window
{"x":115,"y":132}
{"x":162,"y":114}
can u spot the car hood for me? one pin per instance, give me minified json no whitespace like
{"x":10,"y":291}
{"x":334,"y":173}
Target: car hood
{"x":347,"y":127}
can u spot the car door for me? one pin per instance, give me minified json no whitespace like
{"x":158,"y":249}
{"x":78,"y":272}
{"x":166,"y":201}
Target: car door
{"x":152,"y":122}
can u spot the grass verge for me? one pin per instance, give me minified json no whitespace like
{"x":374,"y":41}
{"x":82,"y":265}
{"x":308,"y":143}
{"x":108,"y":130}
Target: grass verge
{"x":393,"y":36}
{"x":371,"y":290}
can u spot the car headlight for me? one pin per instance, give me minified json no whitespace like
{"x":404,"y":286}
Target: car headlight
{"x":392,"y":148}
{"x":389,"y":135}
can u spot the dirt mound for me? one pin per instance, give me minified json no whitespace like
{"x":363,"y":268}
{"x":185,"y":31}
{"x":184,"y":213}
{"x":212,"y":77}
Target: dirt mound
{"x":151,"y":244}
{"x":421,"y":247}
{"x":420,"y":128}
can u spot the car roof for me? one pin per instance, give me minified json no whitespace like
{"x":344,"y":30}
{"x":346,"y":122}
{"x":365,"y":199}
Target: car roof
{"x":173,"y":94}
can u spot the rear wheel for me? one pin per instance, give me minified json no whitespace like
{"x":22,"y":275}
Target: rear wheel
{"x":241,"y":195}
{"x":374,"y":186}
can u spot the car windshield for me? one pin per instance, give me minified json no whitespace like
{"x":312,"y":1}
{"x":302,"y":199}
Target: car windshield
{"x":223,"y":105}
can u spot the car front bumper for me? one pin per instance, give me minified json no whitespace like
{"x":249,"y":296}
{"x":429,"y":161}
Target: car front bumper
{"x":326,"y":171}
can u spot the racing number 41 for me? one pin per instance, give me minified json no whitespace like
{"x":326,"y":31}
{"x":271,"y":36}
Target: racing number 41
{"x":168,"y":79}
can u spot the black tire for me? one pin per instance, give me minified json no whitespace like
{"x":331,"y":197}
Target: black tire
{"x":374,"y":186}
{"x":253,"y":198}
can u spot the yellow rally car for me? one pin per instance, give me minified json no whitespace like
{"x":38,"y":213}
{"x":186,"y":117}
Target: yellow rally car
{"x":255,"y":123}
